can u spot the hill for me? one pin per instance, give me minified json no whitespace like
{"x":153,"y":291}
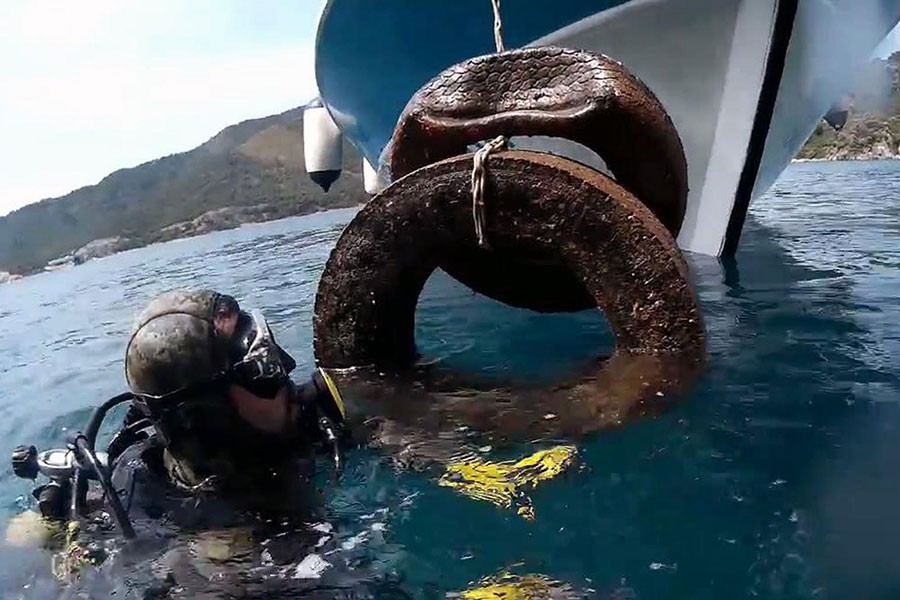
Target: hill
{"x":872,"y":129}
{"x":251,"y":171}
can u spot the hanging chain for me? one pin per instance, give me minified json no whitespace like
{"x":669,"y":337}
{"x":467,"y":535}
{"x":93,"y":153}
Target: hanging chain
{"x":479,"y":168}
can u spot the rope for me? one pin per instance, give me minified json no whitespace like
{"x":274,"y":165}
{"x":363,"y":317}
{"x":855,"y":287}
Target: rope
{"x":479,"y":174}
{"x":498,"y":26}
{"x":479,"y":169}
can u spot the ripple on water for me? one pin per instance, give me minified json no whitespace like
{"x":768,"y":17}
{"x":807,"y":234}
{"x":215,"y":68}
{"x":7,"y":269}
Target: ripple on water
{"x":774,"y":479}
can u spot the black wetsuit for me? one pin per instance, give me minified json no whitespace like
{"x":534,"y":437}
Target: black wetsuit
{"x":260,"y":535}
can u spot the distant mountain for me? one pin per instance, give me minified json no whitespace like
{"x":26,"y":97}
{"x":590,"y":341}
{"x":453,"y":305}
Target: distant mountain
{"x":251,"y":171}
{"x":872,"y":129}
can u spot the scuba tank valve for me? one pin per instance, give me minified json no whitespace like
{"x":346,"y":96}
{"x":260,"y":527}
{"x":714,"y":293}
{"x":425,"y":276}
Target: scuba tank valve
{"x":69,"y":470}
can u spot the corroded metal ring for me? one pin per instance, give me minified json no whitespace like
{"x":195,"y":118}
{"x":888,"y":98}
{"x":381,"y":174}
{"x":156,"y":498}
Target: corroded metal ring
{"x":547,"y":91}
{"x":613,"y":245}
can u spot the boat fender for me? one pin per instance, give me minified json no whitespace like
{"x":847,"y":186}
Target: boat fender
{"x":322,"y":145}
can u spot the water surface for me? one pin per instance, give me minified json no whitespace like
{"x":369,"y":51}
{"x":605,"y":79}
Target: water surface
{"x":778,"y":476}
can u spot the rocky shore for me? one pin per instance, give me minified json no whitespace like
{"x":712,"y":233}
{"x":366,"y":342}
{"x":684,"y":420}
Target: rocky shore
{"x":865,"y":137}
{"x":219,"y":219}
{"x":100,"y":248}
{"x":7,"y":277}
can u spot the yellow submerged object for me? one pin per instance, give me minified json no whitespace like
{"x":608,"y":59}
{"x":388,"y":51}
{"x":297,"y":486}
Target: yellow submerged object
{"x":68,"y":557}
{"x":30,"y":529}
{"x":515,"y":587}
{"x":504,"y":483}
{"x":68,"y":563}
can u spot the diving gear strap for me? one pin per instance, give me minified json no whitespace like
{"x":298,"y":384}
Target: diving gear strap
{"x":321,"y":413}
{"x":333,"y":410}
{"x":335,"y":394}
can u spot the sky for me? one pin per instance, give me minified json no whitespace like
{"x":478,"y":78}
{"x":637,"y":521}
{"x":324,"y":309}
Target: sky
{"x":890,"y":44}
{"x":91,"y":86}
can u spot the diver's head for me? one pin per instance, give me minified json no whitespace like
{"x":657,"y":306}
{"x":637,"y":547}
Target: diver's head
{"x":210,"y":377}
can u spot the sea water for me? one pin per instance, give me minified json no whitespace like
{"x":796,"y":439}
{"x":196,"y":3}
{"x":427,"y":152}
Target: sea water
{"x":778,"y":476}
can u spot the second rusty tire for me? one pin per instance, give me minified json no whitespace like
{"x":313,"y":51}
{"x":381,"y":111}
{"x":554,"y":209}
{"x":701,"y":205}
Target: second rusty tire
{"x":545,"y":91}
{"x":611,"y":243}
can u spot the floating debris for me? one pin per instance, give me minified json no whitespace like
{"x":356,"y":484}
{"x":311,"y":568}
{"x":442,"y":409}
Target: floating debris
{"x":311,"y":567}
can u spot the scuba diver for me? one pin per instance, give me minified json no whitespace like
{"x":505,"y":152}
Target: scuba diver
{"x":218,"y":438}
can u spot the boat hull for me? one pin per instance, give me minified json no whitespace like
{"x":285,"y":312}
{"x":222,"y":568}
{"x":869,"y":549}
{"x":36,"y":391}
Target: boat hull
{"x":745,"y":81}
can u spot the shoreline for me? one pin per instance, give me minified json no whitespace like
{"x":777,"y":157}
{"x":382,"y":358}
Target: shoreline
{"x":18,"y":277}
{"x":857,"y":159}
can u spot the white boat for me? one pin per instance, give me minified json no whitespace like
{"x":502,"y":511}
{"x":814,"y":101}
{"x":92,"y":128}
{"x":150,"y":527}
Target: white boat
{"x":745,"y":81}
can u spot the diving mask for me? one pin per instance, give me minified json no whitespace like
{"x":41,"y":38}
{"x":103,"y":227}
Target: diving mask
{"x":259,"y":364}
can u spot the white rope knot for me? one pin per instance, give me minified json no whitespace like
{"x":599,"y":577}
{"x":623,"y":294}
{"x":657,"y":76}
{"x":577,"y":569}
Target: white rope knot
{"x":479,"y":169}
{"x":479,"y":175}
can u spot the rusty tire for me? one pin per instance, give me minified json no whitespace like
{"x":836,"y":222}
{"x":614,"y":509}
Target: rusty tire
{"x":610,"y":242}
{"x":560,"y":92}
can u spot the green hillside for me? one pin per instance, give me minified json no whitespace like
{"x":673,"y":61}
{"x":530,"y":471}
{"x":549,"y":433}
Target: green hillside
{"x":873,"y":127}
{"x":255,"y":166}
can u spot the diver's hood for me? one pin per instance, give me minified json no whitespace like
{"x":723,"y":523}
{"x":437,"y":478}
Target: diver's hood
{"x":174,"y":344}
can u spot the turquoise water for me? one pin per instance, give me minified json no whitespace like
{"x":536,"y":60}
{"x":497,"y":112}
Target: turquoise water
{"x":776,"y":478}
